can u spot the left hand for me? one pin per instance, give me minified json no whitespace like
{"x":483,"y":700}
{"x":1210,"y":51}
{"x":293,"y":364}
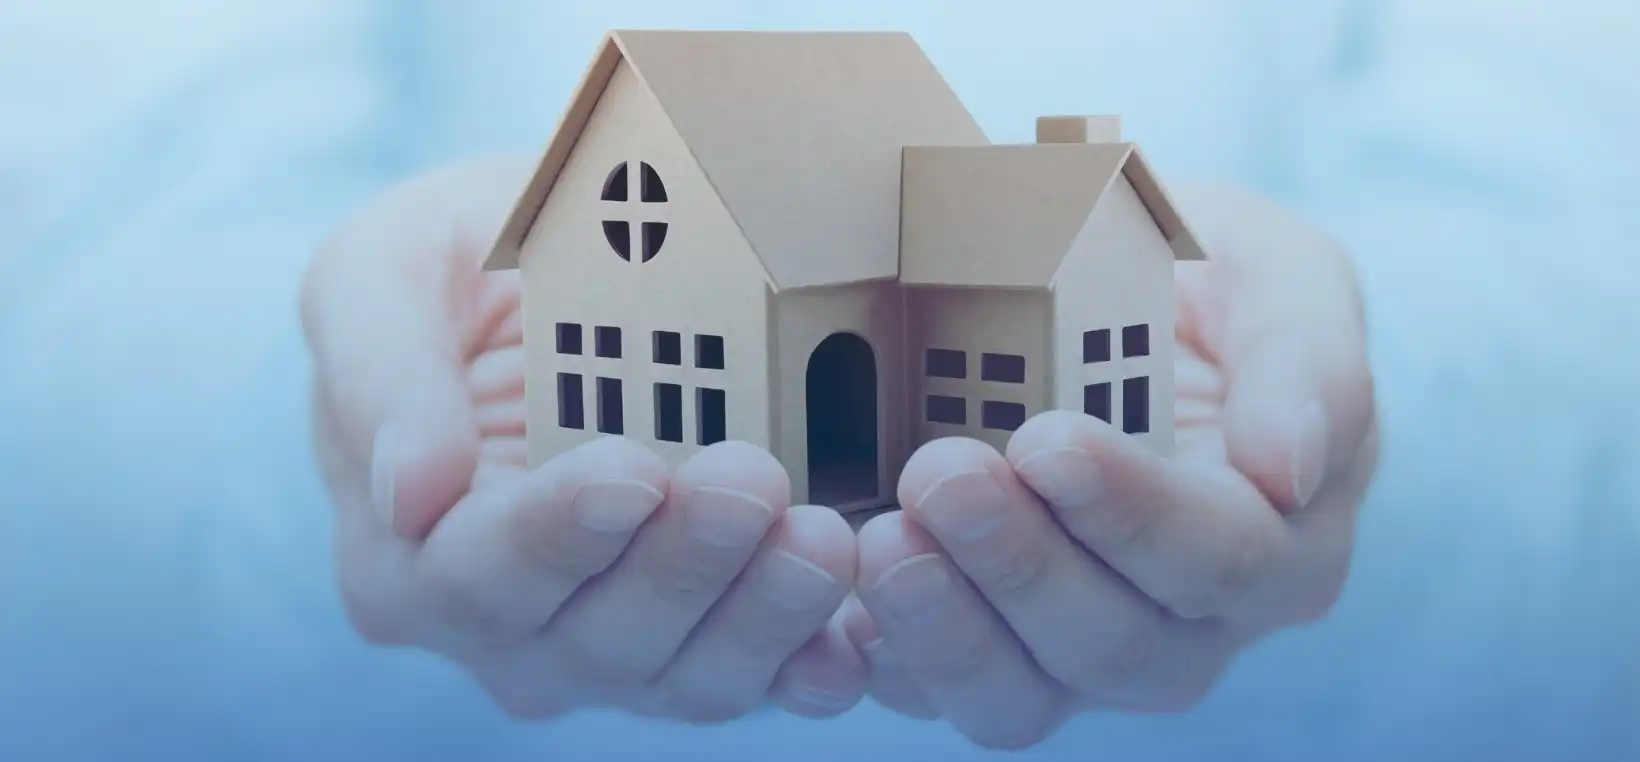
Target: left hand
{"x":1081,"y":571}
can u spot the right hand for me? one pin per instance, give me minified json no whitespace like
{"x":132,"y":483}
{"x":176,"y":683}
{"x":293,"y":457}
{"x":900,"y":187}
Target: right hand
{"x":598,"y":580}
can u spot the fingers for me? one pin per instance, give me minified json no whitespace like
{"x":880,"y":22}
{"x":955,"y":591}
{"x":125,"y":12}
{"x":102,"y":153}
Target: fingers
{"x":950,"y":640}
{"x":1198,"y":541}
{"x":891,"y":685}
{"x":786,"y":595}
{"x":497,"y":376}
{"x":624,"y":626}
{"x":1279,"y":306}
{"x":379,"y":307}
{"x":1086,"y":626}
{"x":826,"y":677}
{"x":502,"y":562}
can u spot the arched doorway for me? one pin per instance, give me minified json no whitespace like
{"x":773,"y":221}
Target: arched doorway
{"x":842,"y":421}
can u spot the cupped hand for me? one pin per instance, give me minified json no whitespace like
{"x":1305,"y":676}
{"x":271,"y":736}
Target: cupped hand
{"x":601,"y":579}
{"x":1081,"y":571}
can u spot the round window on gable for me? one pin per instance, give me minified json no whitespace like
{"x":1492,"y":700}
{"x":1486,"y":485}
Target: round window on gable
{"x":623,"y":213}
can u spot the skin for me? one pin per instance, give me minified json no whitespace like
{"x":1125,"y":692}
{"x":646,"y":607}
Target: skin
{"x":1079,"y":571}
{"x":1075,"y":572}
{"x":600,"y":579}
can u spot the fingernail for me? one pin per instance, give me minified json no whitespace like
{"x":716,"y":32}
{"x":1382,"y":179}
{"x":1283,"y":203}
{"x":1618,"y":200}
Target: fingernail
{"x":820,"y":697}
{"x":383,"y":459}
{"x":916,"y":587}
{"x":1064,"y":476}
{"x":615,"y":506}
{"x":793,"y":583}
{"x":725,"y":517}
{"x":1310,"y":454}
{"x":878,"y":654}
{"x":963,"y":506}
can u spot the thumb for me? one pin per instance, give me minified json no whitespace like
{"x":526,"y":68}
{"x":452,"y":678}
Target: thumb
{"x":379,"y":316}
{"x":1296,"y":411}
{"x":1280,"y":307}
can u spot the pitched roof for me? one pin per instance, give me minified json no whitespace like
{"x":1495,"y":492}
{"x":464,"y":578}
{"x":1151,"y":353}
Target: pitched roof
{"x":800,"y":134}
{"x":1006,"y":216}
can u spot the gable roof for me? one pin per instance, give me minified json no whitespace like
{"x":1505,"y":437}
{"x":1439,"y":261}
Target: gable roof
{"x":1006,"y":216}
{"x":799,"y":133}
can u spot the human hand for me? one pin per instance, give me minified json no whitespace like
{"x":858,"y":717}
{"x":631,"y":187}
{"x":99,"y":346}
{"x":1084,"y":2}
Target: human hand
{"x":599,"y":579}
{"x":1080,"y":570}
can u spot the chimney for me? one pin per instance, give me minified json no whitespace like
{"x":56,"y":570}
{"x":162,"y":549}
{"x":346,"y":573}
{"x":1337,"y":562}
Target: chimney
{"x":1079,"y":129}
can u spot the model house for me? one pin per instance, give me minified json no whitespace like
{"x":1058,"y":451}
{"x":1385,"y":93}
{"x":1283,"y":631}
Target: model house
{"x":805,"y":241}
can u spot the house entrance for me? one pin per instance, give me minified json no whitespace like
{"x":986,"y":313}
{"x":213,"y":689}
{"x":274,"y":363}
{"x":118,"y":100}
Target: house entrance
{"x":842,"y":421}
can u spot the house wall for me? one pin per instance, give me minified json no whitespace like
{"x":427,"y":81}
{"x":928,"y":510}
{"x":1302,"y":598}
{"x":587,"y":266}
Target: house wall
{"x":704,"y":281}
{"x":803,"y":319}
{"x":1013,"y":323}
{"x":1119,"y":273}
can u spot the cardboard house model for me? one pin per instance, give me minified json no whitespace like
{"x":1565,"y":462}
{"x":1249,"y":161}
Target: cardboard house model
{"x":805,"y":241}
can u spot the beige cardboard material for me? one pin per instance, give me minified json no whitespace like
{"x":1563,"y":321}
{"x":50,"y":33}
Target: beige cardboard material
{"x":804,"y":241}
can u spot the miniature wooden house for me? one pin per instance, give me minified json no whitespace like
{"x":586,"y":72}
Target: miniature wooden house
{"x":805,"y":241}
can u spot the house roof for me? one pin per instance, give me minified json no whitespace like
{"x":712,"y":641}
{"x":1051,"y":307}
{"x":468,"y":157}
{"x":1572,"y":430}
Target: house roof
{"x":1006,"y":216}
{"x":800,"y":134}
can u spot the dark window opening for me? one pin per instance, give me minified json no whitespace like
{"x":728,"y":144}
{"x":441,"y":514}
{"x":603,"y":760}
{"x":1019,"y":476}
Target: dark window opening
{"x":669,"y":412}
{"x":619,"y":232}
{"x":609,"y":406}
{"x":1096,"y":400}
{"x":668,"y":348}
{"x":654,"y":235}
{"x":1136,"y":405}
{"x":945,"y":363}
{"x":1004,"y":416}
{"x":709,"y":352}
{"x":1096,"y":345}
{"x":1136,"y":341}
{"x":711,"y":416}
{"x":949,"y":410}
{"x":571,"y":414}
{"x":1008,"y":369}
{"x":569,"y":338}
{"x":841,"y":415}
{"x":606,"y":342}
{"x":650,"y":187}
{"x":615,"y":184}
{"x":619,"y":235}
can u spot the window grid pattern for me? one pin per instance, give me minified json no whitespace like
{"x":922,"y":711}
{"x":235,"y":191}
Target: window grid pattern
{"x":1098,"y":394}
{"x":608,"y":404}
{"x":642,"y":216}
{"x":708,"y":354}
{"x":994,"y":368}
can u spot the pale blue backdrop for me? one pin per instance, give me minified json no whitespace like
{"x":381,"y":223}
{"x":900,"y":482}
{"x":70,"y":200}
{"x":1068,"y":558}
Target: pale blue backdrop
{"x":166,"y":166}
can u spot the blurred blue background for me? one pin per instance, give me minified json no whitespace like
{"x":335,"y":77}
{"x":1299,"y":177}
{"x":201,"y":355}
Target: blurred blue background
{"x":166,"y":166}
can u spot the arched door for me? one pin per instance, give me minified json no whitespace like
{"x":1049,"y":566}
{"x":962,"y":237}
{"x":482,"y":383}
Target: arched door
{"x":843,"y":430}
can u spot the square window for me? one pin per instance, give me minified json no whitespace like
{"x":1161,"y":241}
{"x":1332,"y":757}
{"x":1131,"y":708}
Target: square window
{"x":1136,"y":341}
{"x":571,"y":410}
{"x":1004,"y":416}
{"x":569,"y":338}
{"x":709,"y":352}
{"x":945,"y":363}
{"x":711,"y":416}
{"x":1096,"y":345}
{"x":949,"y":410}
{"x":1136,"y":405}
{"x":606,"y":342}
{"x":1096,"y":400}
{"x":609,"y":407}
{"x":668,"y":412}
{"x":668,"y":348}
{"x":1009,"y":369}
